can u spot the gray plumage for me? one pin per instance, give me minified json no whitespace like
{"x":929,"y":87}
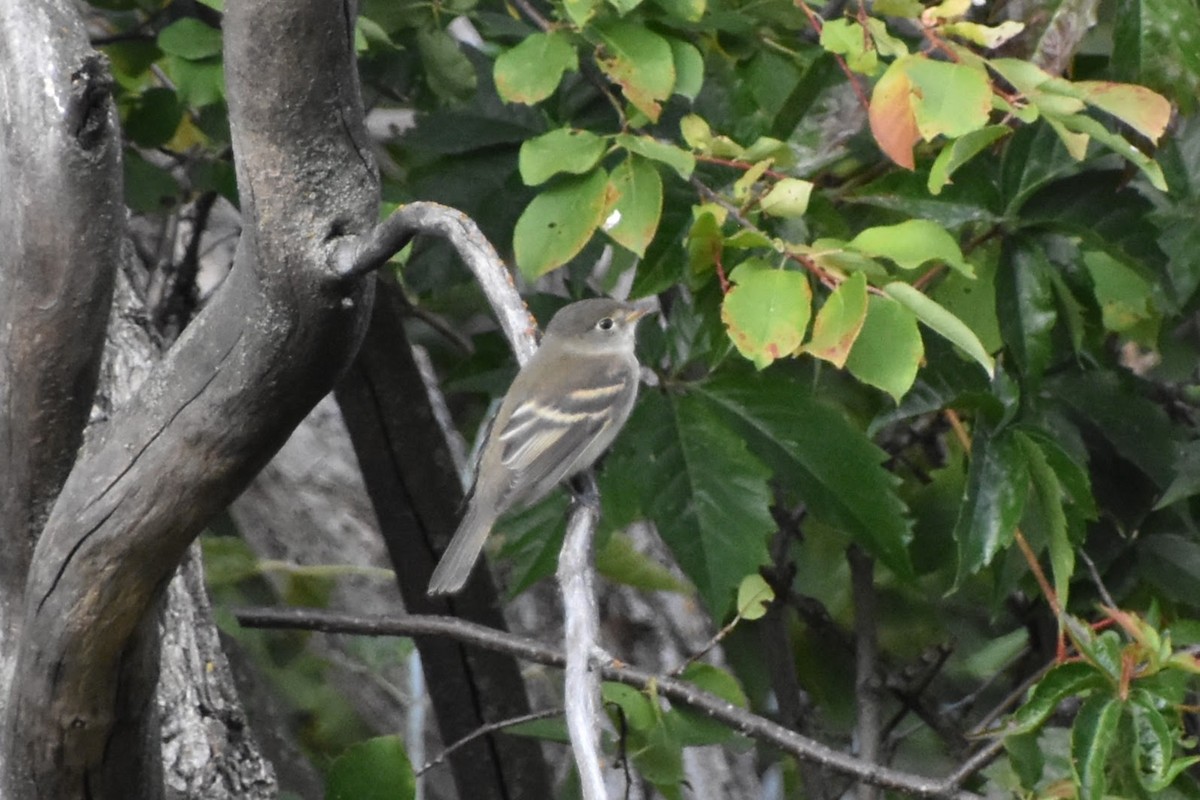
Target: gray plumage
{"x":561,"y":413}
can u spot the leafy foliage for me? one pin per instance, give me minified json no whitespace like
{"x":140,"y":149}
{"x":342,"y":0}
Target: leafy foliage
{"x":922,"y":295}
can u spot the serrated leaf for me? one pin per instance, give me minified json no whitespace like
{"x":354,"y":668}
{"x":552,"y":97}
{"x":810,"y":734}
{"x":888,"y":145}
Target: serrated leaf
{"x":787,"y":198}
{"x":997,"y":487}
{"x":679,"y":160}
{"x":558,"y":222}
{"x":766,"y":311}
{"x":633,"y":221}
{"x":190,"y":38}
{"x":838,"y":470}
{"x":912,"y":243}
{"x":839,"y":321}
{"x":1063,"y":681}
{"x":1048,"y":492}
{"x":888,"y":349}
{"x":531,"y":71}
{"x":567,"y":150}
{"x":1026,"y":306}
{"x":942,"y":321}
{"x":890,"y":114}
{"x":706,"y":493}
{"x":1092,"y":737}
{"x":640,"y":62}
{"x":377,"y":769}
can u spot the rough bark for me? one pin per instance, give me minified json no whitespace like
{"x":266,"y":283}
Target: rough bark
{"x":61,"y":227}
{"x":258,"y":357}
{"x":414,"y":486}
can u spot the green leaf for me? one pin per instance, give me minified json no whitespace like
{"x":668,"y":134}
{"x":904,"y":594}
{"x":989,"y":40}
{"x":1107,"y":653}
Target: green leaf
{"x":1154,"y":743}
{"x":948,"y":98}
{"x":1187,"y":477}
{"x":190,"y":38}
{"x":888,"y":349}
{"x":754,"y":597}
{"x":531,"y":71}
{"x":685,"y":10}
{"x":679,"y":160}
{"x":1063,"y":681}
{"x":847,"y":38}
{"x":960,"y":151}
{"x":1089,"y":126}
{"x":787,"y":198}
{"x":148,"y":188}
{"x":1026,"y":306}
{"x":997,"y":487}
{"x":377,"y":769}
{"x":619,"y":561}
{"x":633,"y":221}
{"x":1136,"y":427}
{"x":1026,"y":757}
{"x":694,"y":728}
{"x":1092,"y":737}
{"x":839,"y":321}
{"x":198,"y":83}
{"x":1171,"y":563}
{"x":447,"y":69}
{"x":1126,"y":298}
{"x":640,"y":61}
{"x":640,"y":713}
{"x":581,"y":11}
{"x":941,"y":321}
{"x":155,"y":117}
{"x":766,"y":311}
{"x":912,"y":243}
{"x":559,"y":222}
{"x":689,"y":68}
{"x":705,"y":492}
{"x":1049,"y":500}
{"x":1154,"y":45}
{"x":563,"y":150}
{"x":836,"y":469}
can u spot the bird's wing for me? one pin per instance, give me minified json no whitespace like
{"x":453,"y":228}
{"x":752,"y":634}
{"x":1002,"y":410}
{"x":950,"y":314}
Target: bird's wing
{"x":544,"y":438}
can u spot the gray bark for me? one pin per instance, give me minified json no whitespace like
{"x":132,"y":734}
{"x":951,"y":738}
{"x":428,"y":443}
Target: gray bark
{"x":258,"y":357}
{"x":61,"y":228}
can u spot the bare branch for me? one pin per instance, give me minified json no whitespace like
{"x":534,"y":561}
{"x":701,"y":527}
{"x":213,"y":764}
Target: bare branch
{"x":866,"y":666}
{"x":581,"y":619}
{"x":370,"y":251}
{"x":735,"y":717}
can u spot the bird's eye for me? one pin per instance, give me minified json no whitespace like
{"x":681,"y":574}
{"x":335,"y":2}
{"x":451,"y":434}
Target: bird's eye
{"x":605,"y":324}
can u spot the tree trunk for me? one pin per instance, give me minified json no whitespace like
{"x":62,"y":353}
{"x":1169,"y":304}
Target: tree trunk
{"x":268,"y":345}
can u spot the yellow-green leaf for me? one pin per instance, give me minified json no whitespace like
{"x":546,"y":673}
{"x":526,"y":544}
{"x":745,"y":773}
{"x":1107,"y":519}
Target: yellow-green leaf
{"x":787,"y":198}
{"x":888,"y":349}
{"x":839,"y":321}
{"x":531,"y":71}
{"x":559,"y":222}
{"x":767,"y":310}
{"x":563,"y":150}
{"x":633,"y":221}
{"x":640,"y":62}
{"x":912,"y":243}
{"x":936,"y":317}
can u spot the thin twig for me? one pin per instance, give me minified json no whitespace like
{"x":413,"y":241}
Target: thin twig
{"x":736,"y":718}
{"x":866,"y":648}
{"x":484,"y":730}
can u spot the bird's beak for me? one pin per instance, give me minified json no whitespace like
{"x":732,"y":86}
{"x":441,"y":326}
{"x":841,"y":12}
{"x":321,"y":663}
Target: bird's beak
{"x":637,"y":312}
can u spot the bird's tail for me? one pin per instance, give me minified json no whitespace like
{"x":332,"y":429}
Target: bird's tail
{"x":460,"y":557}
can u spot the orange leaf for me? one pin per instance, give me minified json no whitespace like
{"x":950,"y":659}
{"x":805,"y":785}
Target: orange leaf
{"x":893,"y":123}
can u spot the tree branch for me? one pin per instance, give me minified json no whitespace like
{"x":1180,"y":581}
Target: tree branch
{"x":866,"y":681}
{"x":370,"y":251}
{"x":581,"y":619}
{"x":736,"y":718}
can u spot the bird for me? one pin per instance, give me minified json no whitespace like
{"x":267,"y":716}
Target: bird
{"x":562,"y":411}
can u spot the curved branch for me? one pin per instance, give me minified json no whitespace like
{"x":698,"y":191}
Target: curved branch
{"x":368,"y":252}
{"x":735,"y":717}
